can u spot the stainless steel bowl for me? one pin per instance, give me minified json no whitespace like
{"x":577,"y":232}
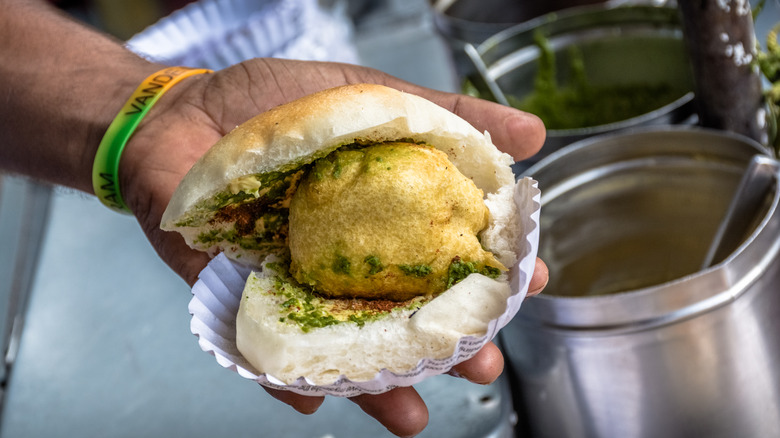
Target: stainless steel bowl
{"x":474,"y":21}
{"x":626,"y":45}
{"x":631,"y":337}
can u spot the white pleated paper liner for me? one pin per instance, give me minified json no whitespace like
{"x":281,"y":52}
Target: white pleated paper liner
{"x":217,"y":294}
{"x":219,"y":33}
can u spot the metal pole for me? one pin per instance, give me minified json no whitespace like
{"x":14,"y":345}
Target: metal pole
{"x":721,"y":44}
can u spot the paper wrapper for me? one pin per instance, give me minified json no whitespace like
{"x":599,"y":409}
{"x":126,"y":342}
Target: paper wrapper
{"x":217,"y":294}
{"x":219,"y":33}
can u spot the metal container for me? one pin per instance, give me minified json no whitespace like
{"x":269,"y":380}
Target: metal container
{"x":631,"y":337}
{"x":619,"y":45}
{"x":473,"y":21}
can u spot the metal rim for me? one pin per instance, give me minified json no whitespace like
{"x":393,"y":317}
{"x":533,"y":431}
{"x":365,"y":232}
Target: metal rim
{"x":566,"y":313}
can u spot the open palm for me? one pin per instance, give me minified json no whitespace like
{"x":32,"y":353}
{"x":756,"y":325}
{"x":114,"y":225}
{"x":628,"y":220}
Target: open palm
{"x":196,"y":113}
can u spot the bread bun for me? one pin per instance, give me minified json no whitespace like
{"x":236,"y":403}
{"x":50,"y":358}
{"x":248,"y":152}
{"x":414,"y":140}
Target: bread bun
{"x":396,"y":342}
{"x":262,"y":160}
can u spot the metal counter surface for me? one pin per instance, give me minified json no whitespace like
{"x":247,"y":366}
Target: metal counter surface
{"x":106,"y":349}
{"x":106,"y":352}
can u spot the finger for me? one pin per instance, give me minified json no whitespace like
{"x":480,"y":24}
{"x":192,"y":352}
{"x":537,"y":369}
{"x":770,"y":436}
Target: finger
{"x":188,"y":263}
{"x":539,"y":278}
{"x":484,"y":368}
{"x":401,"y":410}
{"x":305,"y":404}
{"x":172,"y":248}
{"x":515,"y":132}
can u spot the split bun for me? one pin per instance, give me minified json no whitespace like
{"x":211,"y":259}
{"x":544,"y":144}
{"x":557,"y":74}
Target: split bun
{"x":294,"y":135}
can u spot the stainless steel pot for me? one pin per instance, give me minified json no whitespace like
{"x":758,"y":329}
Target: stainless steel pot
{"x":631,"y":338}
{"x":620,"y":45}
{"x":473,"y":21}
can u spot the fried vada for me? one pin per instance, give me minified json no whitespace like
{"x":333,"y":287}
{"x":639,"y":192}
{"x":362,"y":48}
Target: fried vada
{"x":385,"y":221}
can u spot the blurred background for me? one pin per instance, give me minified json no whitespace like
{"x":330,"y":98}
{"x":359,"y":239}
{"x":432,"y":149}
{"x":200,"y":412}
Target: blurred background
{"x":95,"y":326}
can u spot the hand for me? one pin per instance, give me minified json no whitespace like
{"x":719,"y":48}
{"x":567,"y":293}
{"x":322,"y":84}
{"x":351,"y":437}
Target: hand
{"x":193,"y":115}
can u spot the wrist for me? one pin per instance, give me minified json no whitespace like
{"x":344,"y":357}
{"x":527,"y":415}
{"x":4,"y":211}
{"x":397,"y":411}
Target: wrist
{"x":117,"y":88}
{"x":164,"y":145}
{"x":105,"y":173}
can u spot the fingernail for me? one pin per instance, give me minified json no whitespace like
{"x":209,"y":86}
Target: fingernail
{"x":539,"y":290}
{"x":454,"y":373}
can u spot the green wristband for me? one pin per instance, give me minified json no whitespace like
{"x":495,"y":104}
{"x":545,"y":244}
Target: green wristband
{"x":105,"y":169}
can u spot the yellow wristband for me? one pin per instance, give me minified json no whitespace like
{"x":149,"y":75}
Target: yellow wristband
{"x":105,"y":169}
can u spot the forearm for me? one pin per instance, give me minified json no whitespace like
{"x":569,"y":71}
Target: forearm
{"x":61,"y":85}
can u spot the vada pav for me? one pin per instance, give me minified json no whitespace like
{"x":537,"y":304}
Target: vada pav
{"x":380,"y":227}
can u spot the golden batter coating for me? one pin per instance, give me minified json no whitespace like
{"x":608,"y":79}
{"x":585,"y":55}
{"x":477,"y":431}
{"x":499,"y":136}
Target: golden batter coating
{"x":385,"y":221}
